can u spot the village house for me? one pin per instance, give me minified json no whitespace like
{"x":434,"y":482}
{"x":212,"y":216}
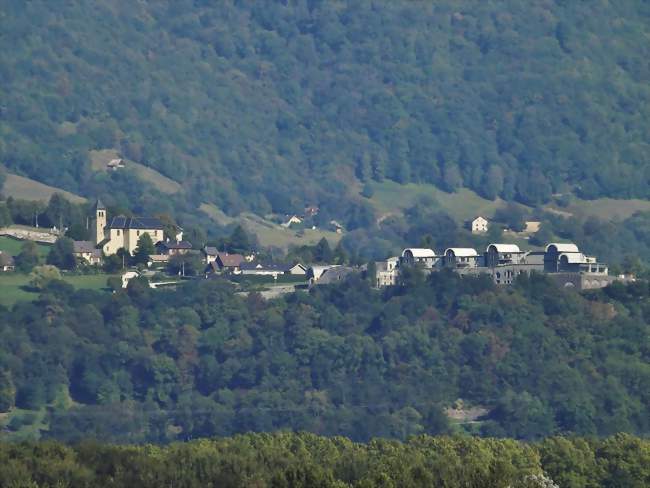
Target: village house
{"x":86,"y":251}
{"x":328,"y":275}
{"x":226,"y":263}
{"x":479,"y":225}
{"x":115,"y":164}
{"x":425,"y":258}
{"x":500,"y":254}
{"x":292,"y":220}
{"x":170,"y":248}
{"x":461,"y":257}
{"x":6,"y":262}
{"x":387,"y":272}
{"x":123,"y":232}
{"x":210,"y":254}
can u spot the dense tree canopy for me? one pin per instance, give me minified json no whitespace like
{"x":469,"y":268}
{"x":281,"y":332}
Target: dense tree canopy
{"x":161,"y":365}
{"x":308,"y":461}
{"x":271,"y":105}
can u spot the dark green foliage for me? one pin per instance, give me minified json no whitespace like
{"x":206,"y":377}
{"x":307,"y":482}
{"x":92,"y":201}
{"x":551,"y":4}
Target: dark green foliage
{"x":303,"y":460}
{"x":343,"y":360}
{"x":270,"y":105}
{"x":61,"y":255}
{"x":186,"y":265}
{"x":7,"y":391}
{"x":144,"y":250}
{"x":28,"y":257}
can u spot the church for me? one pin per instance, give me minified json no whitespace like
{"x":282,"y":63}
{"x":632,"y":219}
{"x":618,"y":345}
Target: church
{"x":123,"y":232}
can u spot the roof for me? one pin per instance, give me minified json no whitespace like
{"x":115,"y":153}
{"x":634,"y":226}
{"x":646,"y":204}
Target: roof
{"x":574,"y":257}
{"x":122,"y":222}
{"x":6,"y":259}
{"x":266,"y":267}
{"x":417,"y":252}
{"x":83,"y":246}
{"x":563,"y":247}
{"x":210,"y":251}
{"x":177,"y":245}
{"x":99,"y":205}
{"x":230,"y":260}
{"x":505,"y":248}
{"x":479,"y":217}
{"x":335,"y":274}
{"x":462,"y":252}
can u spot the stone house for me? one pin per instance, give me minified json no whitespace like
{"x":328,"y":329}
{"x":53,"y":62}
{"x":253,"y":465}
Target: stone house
{"x":86,"y":251}
{"x":387,"y":272}
{"x":461,"y":257}
{"x":425,"y":258}
{"x":7,"y":262}
{"x":479,"y":225}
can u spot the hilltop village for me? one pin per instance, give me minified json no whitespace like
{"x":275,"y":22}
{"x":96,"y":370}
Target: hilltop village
{"x":159,"y":245}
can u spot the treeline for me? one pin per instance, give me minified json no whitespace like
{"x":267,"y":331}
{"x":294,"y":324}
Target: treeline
{"x":305,"y":460}
{"x":143,"y":365}
{"x":270,"y":105}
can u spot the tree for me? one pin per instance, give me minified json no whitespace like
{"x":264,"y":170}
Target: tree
{"x":5,"y":215}
{"x":28,"y":257}
{"x":7,"y":391}
{"x":238,"y":242}
{"x":323,"y":252}
{"x":144,"y":250}
{"x":185,"y":265}
{"x":41,"y":276}
{"x":61,"y":255}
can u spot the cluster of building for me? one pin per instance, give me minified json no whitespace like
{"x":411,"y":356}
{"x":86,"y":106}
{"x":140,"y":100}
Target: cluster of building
{"x":564,"y":262}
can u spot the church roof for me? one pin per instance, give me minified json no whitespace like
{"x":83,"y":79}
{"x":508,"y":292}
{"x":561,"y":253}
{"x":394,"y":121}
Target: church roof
{"x":99,"y":205}
{"x":145,"y":223}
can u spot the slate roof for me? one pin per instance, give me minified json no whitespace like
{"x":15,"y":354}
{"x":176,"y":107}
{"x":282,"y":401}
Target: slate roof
{"x":83,"y":246}
{"x":122,"y":222}
{"x":210,"y":251}
{"x":99,"y":205}
{"x":6,"y":259}
{"x":176,"y":245}
{"x":230,"y":260}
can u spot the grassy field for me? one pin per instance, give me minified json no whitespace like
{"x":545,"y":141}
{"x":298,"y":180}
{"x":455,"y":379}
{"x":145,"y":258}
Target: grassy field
{"x":27,"y":189}
{"x":390,"y":197}
{"x":269,"y":233}
{"x":100,"y":158}
{"x":13,"y":285}
{"x":13,"y":246}
{"x":605,"y":208}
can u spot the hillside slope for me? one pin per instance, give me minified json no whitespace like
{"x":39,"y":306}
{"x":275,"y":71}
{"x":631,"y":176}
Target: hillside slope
{"x":265,"y":106}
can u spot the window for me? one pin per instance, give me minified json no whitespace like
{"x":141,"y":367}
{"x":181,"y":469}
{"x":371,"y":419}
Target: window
{"x":118,"y":232}
{"x":137,"y":232}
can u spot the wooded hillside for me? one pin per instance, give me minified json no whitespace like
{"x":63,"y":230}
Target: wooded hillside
{"x":269,"y":105}
{"x":532,"y":360}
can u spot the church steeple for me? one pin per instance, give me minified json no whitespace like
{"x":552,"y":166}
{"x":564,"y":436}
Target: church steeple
{"x":100,"y":221}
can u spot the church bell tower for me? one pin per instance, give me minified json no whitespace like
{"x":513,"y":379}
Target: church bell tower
{"x":100,"y":221}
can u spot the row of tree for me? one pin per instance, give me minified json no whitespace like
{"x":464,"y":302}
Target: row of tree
{"x":306,"y":461}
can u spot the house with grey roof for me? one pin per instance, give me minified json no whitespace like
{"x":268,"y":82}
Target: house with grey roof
{"x":87,"y":251}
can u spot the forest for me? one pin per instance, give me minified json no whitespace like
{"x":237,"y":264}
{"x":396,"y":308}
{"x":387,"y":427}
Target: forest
{"x":269,"y":105}
{"x":303,"y":460}
{"x":146,"y":365}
